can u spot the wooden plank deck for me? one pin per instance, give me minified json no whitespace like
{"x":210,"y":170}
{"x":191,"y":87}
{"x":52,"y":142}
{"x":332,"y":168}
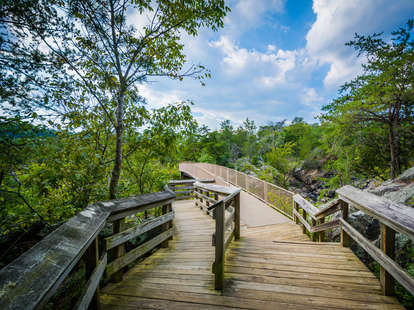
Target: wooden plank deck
{"x":271,"y":267}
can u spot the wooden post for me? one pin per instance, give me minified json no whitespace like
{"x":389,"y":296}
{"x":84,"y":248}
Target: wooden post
{"x":388,"y":247}
{"x":246,"y":178}
{"x":265,"y":191}
{"x":322,"y":233}
{"x":228,"y":177}
{"x":344,"y":236}
{"x":201,"y":199}
{"x":167,"y":225}
{"x":118,"y":226}
{"x":237,"y":217}
{"x":304,"y":217}
{"x":295,"y":218}
{"x":315,"y":235}
{"x":219,"y":260}
{"x":92,"y":259}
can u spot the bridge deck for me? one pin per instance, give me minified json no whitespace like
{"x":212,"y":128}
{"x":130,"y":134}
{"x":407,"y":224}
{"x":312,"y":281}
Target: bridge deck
{"x":271,"y":267}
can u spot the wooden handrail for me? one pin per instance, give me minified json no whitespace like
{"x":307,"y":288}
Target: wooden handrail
{"x":224,"y":231}
{"x":184,"y":189}
{"x":397,"y":216}
{"x":271,"y":194}
{"x":392,"y":217}
{"x":31,"y":280}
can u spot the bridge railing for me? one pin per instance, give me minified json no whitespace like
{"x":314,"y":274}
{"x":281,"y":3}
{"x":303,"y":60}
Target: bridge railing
{"x":184,"y":189}
{"x":32,"y":279}
{"x":223,"y":204}
{"x":392,"y":217}
{"x":273,"y":195}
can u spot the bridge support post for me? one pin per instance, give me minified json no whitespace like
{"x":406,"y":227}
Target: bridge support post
{"x":344,"y":236}
{"x":388,"y":247}
{"x":219,"y":259}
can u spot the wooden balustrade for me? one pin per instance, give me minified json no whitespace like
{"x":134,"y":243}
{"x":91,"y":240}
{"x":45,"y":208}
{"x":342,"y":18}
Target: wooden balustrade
{"x":223,"y":204}
{"x":32,"y":279}
{"x":273,"y":195}
{"x":393,"y":218}
{"x":184,"y":189}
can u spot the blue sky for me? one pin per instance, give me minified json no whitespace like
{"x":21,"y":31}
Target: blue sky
{"x":277,"y":59}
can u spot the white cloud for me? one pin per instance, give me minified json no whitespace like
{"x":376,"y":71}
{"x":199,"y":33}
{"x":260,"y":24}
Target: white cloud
{"x":158,"y":99}
{"x":248,"y":14}
{"x":271,"y":48}
{"x":252,"y":10}
{"x":311,"y":98}
{"x":338,"y":20}
{"x":269,"y":69}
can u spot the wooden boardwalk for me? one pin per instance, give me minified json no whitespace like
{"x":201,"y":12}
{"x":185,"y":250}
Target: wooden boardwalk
{"x":271,"y":267}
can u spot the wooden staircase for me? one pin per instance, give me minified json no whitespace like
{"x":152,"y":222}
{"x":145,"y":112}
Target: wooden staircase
{"x":270,"y":267}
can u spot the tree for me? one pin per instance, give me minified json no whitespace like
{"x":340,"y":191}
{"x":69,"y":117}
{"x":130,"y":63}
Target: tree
{"x":383,"y":95}
{"x":108,"y":57}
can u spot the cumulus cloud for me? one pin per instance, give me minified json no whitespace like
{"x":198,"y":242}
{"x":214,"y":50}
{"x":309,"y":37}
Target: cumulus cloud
{"x":247,"y":14}
{"x":270,"y":82}
{"x":270,"y":68}
{"x":338,"y":20}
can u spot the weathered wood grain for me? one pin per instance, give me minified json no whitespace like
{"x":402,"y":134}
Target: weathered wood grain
{"x":128,"y":206}
{"x":306,"y":205}
{"x":92,"y":285}
{"x":327,"y":209}
{"x":262,"y":271}
{"x":133,"y":232}
{"x":384,"y":260}
{"x":302,"y":220}
{"x":132,"y":255}
{"x":219,"y":247}
{"x":30,"y":280}
{"x":388,"y":247}
{"x":396,"y":216}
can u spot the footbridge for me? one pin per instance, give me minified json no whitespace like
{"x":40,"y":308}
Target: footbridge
{"x":217,"y":239}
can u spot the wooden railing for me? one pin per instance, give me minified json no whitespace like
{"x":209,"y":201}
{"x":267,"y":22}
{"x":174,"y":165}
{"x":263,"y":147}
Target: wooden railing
{"x":273,"y":195}
{"x":393,"y":218}
{"x":32,"y":279}
{"x":184,"y":189}
{"x":223,"y":204}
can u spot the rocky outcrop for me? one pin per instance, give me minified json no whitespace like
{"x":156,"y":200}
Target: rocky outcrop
{"x":399,"y":190}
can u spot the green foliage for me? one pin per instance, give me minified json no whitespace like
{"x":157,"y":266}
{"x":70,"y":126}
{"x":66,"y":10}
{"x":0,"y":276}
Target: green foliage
{"x":280,"y":159}
{"x":377,"y":106}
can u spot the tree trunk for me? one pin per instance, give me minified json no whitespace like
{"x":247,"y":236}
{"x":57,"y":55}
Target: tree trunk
{"x":394,"y":142}
{"x":116,"y":171}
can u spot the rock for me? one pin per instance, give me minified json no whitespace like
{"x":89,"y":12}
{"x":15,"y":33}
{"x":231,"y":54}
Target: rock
{"x":403,"y":195}
{"x":400,"y":190}
{"x":365,"y":224}
{"x":407,"y":176}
